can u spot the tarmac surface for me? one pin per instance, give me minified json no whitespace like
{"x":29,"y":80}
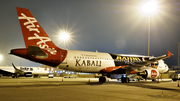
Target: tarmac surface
{"x":86,"y":89}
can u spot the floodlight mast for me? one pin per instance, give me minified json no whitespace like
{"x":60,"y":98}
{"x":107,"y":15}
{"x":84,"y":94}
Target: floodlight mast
{"x":178,"y":54}
{"x":150,"y":7}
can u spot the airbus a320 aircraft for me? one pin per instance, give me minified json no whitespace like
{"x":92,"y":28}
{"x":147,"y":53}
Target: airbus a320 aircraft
{"x":40,"y":48}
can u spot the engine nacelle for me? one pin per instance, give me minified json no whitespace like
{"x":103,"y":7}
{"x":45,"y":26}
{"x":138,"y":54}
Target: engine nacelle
{"x":149,"y":74}
{"x":115,"y":76}
{"x":28,"y":74}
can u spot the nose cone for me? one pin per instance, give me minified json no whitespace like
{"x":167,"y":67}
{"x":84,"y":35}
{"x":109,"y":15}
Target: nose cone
{"x":166,"y":69}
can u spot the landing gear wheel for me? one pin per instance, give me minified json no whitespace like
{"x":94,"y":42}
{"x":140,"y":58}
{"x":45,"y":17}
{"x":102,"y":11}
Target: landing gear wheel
{"x":1,"y":75}
{"x":153,"y":80}
{"x":124,"y":80}
{"x":102,"y":79}
{"x":174,"y":79}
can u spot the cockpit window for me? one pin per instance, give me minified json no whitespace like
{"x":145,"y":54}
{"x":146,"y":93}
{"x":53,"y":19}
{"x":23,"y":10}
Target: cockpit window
{"x":154,"y":65}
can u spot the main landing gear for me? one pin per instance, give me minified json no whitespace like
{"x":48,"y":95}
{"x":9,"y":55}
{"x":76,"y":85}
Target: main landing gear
{"x":125,"y":80}
{"x":102,"y":79}
{"x":15,"y":76}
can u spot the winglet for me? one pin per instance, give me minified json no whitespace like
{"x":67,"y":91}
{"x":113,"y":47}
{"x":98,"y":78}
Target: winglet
{"x":169,"y":54}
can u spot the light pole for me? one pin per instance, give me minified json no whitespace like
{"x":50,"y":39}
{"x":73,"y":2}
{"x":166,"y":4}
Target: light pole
{"x":150,"y":7}
{"x":149,"y":32}
{"x":178,"y":54}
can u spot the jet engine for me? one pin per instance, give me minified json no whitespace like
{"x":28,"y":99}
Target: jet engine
{"x":28,"y":74}
{"x":149,"y":73}
{"x":115,"y":76}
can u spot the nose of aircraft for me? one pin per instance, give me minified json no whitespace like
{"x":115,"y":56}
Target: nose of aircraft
{"x":166,"y":69}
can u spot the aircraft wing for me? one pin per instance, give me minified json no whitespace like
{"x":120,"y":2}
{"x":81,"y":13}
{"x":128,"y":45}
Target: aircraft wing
{"x":17,"y":71}
{"x":37,"y":52}
{"x":147,"y":62}
{"x":137,"y":65}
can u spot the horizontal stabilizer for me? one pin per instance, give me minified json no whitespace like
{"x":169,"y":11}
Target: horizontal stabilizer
{"x":36,"y":51}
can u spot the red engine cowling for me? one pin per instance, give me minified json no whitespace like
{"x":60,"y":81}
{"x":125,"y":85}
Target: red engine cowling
{"x":149,"y":74}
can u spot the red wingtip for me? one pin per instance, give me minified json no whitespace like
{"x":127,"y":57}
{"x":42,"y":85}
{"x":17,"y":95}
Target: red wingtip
{"x":169,"y":53}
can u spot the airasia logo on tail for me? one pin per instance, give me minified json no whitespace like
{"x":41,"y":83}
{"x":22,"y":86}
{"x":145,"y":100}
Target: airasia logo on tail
{"x":32,"y":27}
{"x":30,"y":23}
{"x":153,"y":73}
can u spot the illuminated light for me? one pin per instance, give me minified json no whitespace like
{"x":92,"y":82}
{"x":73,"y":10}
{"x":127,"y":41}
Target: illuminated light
{"x":64,"y":36}
{"x":150,"y":7}
{"x":1,"y":57}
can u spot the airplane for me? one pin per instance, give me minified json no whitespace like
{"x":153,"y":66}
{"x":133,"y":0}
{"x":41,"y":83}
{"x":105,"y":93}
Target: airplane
{"x":41,"y":49}
{"x":16,"y":72}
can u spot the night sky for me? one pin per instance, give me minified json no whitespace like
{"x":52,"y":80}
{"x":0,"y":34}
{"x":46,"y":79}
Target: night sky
{"x":111,"y":26}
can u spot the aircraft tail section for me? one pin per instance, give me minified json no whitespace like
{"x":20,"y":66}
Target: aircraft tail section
{"x":33,"y":33}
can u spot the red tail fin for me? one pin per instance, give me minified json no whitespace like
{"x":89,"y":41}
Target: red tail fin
{"x":33,"y":33}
